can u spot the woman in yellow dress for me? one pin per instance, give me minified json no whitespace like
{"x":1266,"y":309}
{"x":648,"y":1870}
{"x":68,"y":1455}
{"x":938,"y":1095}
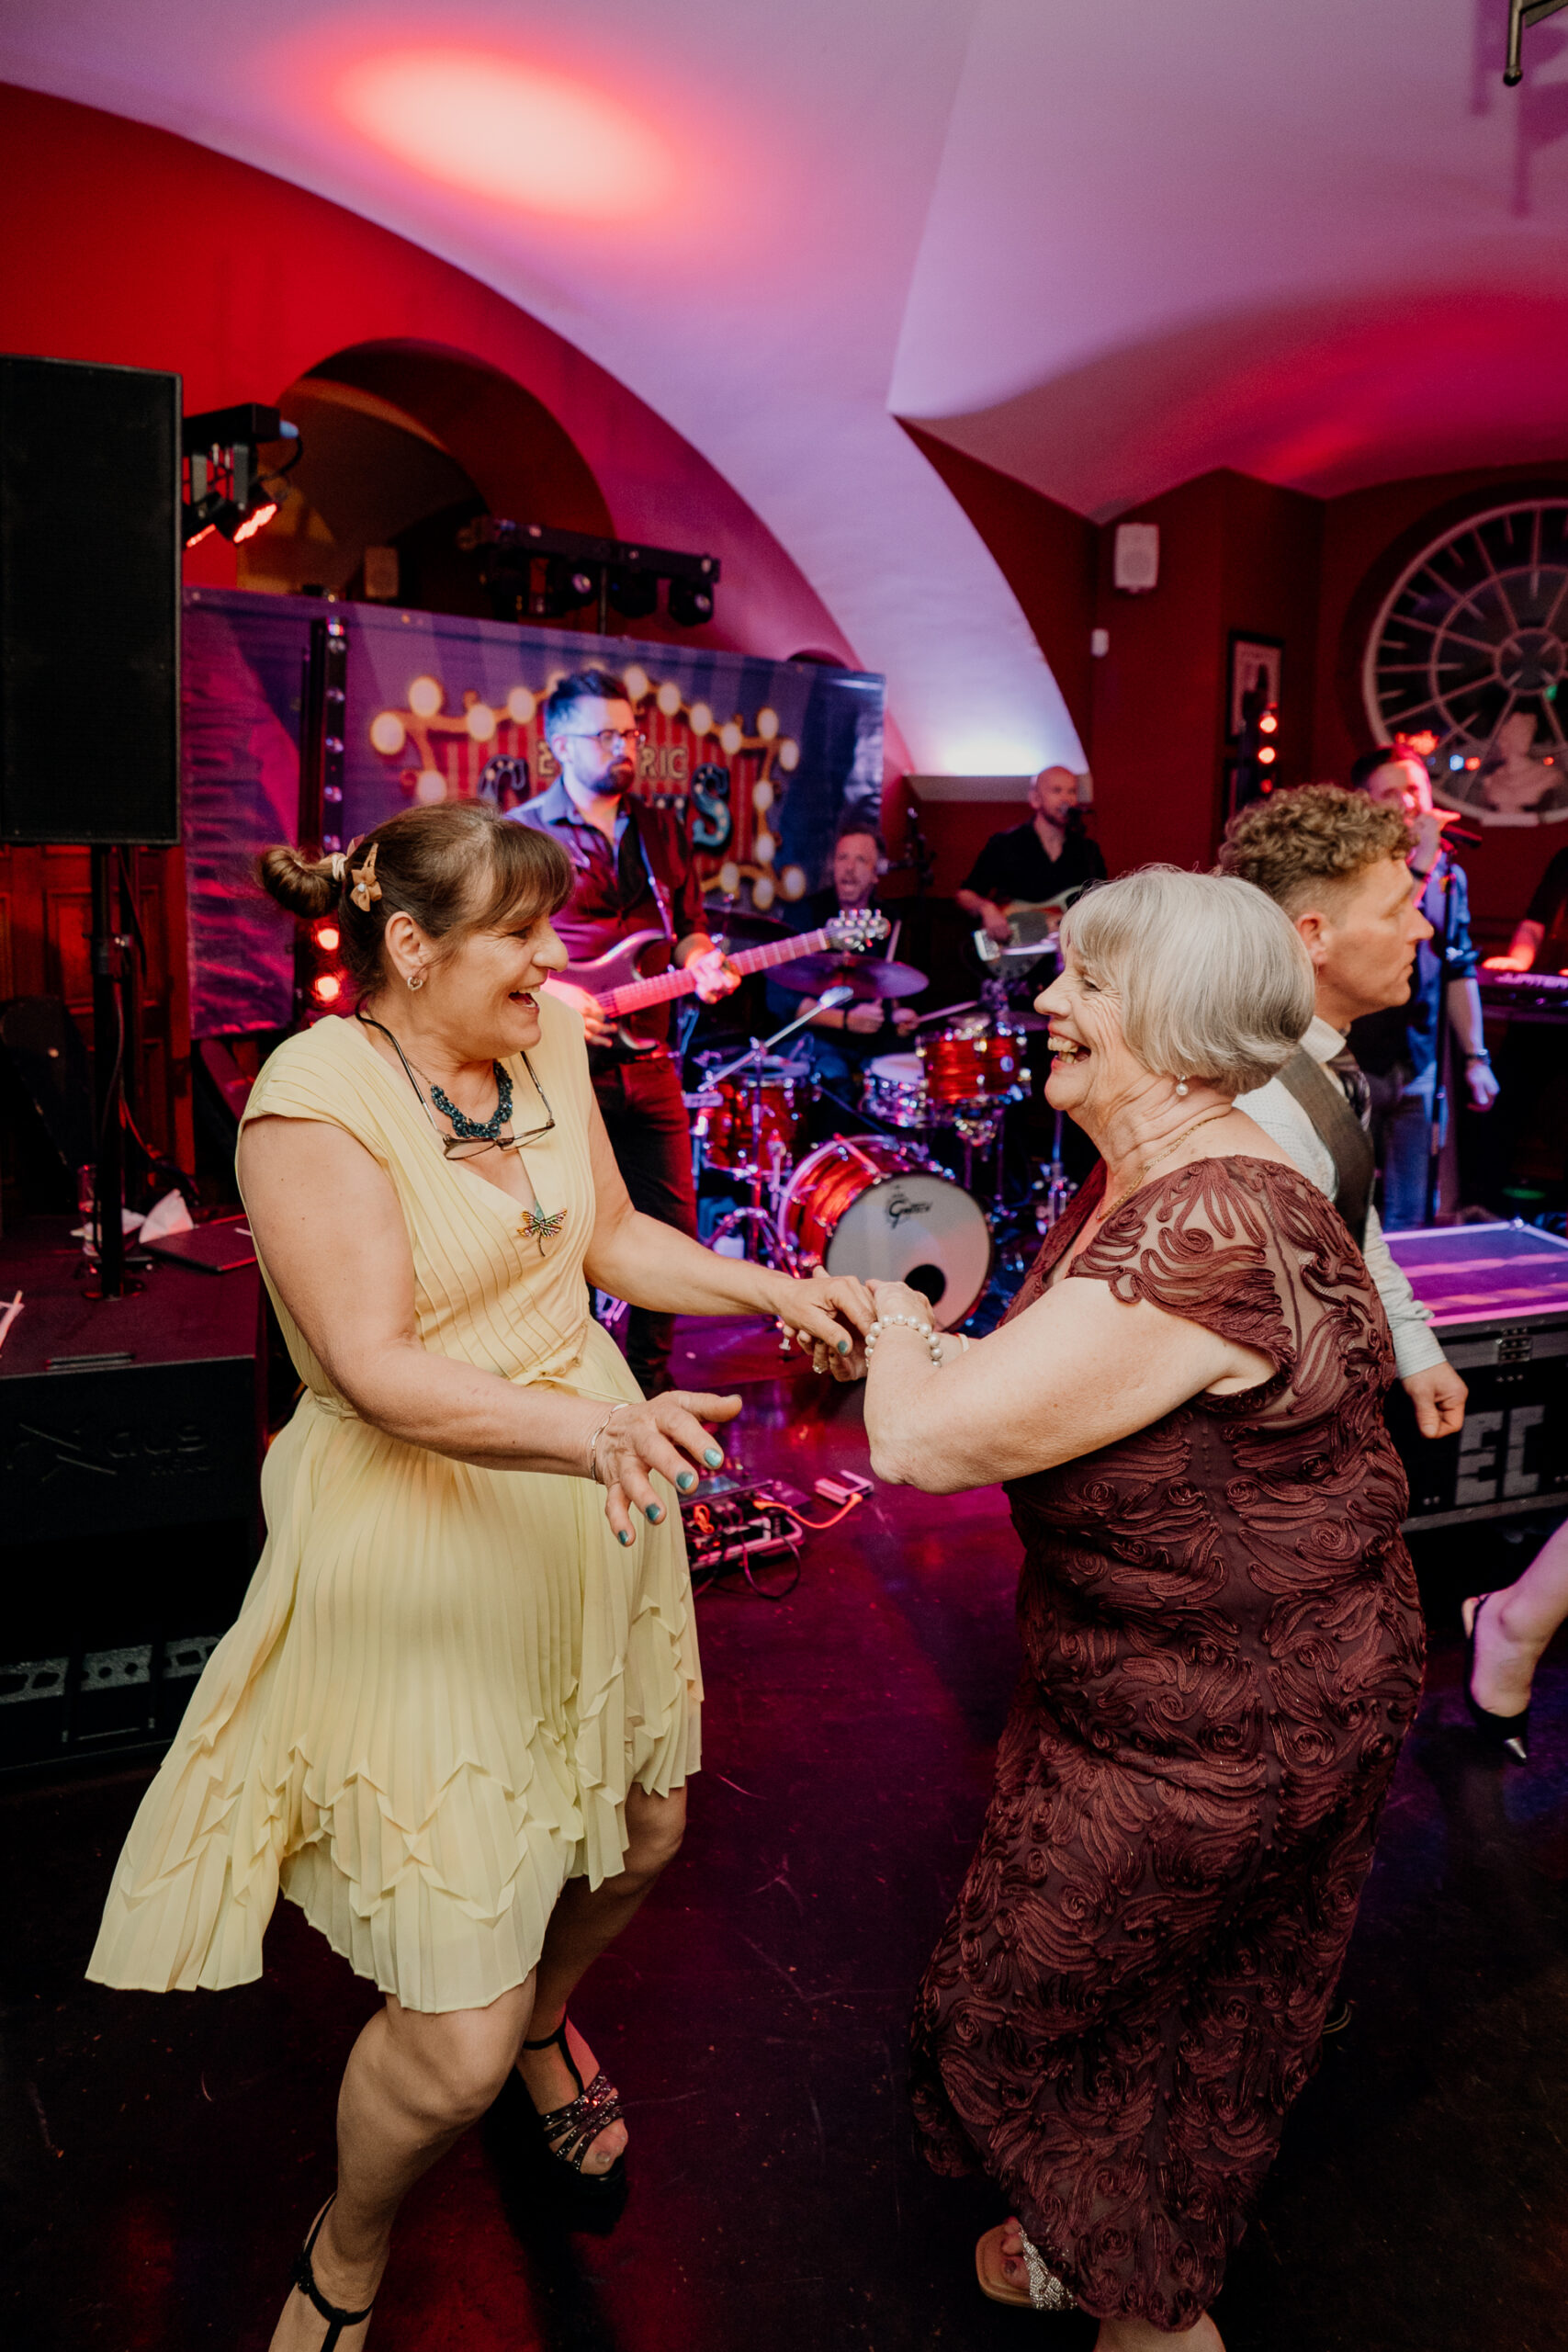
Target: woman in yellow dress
{"x":455,"y":1717}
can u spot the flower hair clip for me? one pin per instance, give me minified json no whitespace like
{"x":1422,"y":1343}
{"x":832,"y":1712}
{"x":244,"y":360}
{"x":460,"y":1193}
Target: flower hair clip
{"x":339,"y":866}
{"x":366,"y":885}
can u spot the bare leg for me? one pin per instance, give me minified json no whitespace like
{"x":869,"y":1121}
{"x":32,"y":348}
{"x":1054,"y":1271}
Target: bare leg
{"x":583,"y":1925}
{"x":1516,"y":1626}
{"x":413,"y":2085}
{"x":1115,"y":2334}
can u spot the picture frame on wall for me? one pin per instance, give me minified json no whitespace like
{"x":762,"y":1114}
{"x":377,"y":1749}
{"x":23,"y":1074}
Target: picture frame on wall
{"x":1254,"y":660}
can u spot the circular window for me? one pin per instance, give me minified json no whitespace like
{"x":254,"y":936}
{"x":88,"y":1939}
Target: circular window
{"x":1467,"y":661}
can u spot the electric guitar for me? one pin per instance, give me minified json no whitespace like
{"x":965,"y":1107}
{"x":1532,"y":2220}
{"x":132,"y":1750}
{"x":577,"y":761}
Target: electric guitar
{"x":618,"y":987}
{"x":1034,"y":923}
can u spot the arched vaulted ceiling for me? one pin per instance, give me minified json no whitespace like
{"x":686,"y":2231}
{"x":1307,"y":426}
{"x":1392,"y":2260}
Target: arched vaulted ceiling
{"x":1104,"y":248}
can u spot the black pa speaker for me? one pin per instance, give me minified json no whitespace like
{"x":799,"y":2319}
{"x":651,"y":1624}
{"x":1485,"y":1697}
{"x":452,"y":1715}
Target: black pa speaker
{"x":89,"y":602}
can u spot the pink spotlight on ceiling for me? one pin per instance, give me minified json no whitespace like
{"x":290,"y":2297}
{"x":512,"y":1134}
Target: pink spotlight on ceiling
{"x":522,"y":136}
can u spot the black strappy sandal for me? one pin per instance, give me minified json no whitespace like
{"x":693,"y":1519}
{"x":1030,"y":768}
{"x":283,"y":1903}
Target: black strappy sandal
{"x":1505,"y":1735}
{"x":305,"y":2279}
{"x":568,"y":2133}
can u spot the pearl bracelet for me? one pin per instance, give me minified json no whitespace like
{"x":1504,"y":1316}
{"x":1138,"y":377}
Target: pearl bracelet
{"x":883,"y":1322}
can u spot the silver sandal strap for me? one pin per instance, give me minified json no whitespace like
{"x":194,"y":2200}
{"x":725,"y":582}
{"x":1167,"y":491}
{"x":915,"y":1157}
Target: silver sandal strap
{"x":1046,"y":2291}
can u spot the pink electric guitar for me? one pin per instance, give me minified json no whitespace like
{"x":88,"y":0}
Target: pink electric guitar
{"x":616,"y":986}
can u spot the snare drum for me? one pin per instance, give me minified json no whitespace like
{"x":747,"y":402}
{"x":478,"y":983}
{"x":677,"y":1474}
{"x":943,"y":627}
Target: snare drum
{"x":751,"y":1122}
{"x":894,"y":1088}
{"x":973,"y":1061}
{"x":865,"y":1205}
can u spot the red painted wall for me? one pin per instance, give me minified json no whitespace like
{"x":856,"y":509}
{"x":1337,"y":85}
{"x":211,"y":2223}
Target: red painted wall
{"x":126,"y":245}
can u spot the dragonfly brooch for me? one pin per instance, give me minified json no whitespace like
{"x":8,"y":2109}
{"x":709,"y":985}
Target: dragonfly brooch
{"x":539,"y":1226}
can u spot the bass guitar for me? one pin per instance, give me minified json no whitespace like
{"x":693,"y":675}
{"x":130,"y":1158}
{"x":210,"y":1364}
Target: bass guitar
{"x":617,"y":987}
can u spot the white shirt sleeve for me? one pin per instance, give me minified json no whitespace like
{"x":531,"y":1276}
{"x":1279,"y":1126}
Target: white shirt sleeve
{"x":1281,"y":1118}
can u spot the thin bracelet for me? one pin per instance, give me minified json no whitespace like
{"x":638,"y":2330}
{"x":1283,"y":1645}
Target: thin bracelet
{"x":592,"y":1470}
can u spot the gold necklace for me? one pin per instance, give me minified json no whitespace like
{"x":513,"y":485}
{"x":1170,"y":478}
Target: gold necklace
{"x":1103,"y":1210}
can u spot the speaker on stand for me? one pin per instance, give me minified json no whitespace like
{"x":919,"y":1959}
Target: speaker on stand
{"x":90,"y":541}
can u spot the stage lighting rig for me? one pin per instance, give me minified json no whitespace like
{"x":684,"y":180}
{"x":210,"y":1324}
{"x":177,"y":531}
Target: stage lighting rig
{"x":227,"y":487}
{"x":535,"y":573}
{"x":1522,"y":13}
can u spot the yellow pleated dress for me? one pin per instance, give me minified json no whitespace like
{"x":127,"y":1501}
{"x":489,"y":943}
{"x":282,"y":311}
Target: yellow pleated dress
{"x":443,"y":1679}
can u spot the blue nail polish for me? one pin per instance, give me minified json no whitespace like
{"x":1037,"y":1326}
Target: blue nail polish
{"x":625,"y":1536}
{"x":843,"y":1347}
{"x":655,"y":1511}
{"x":712,"y":1457}
{"x":686,"y":1481}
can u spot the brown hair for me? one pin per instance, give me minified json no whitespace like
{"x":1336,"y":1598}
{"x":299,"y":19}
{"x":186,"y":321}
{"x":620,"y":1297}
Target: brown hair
{"x":1310,"y":843}
{"x":456,"y":869}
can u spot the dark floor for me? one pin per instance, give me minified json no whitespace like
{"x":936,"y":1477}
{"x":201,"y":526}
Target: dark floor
{"x":159,"y":2157}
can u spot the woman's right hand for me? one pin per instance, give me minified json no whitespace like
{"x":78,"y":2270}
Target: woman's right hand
{"x":653,"y":1435}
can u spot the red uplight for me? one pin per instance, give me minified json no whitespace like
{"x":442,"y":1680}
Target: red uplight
{"x":1268,"y":723}
{"x":256,"y":522}
{"x":1268,"y":754}
{"x":200,"y":535}
{"x":326,"y":936}
{"x":1472,"y":764}
{"x":326,"y":988}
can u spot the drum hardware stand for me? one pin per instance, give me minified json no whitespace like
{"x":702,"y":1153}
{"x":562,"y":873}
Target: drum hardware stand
{"x":753,"y":1214}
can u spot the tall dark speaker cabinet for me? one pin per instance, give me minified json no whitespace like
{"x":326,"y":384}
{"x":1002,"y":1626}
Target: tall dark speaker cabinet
{"x":89,"y":602}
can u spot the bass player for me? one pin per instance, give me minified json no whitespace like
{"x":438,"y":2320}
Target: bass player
{"x":632,"y":870}
{"x":1031,"y":865}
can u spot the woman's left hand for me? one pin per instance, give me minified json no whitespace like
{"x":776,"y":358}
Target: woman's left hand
{"x":826,"y":1317}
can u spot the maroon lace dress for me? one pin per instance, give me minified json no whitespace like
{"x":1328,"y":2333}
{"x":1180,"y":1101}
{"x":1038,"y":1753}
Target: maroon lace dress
{"x":1223,"y":1651}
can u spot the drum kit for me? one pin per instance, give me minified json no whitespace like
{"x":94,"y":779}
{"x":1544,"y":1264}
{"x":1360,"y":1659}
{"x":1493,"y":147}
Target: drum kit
{"x":881,"y":1204}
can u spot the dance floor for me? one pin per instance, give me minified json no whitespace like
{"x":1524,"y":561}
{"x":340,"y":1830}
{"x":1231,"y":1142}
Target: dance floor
{"x":159,"y":2157}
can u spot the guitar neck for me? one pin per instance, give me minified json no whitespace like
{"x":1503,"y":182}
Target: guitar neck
{"x":665,"y":985}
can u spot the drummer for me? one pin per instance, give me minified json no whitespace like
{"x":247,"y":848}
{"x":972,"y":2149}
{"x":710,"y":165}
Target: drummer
{"x":842,"y":1039}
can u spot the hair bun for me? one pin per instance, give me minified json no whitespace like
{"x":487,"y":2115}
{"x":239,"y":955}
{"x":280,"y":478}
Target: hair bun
{"x":305,"y":885}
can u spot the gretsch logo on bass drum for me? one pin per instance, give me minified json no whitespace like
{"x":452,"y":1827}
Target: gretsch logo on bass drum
{"x":898,"y":1205}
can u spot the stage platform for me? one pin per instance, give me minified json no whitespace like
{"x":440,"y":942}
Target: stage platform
{"x":160,"y":2156}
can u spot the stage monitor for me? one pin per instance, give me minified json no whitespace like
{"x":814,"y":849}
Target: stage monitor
{"x":89,"y":602}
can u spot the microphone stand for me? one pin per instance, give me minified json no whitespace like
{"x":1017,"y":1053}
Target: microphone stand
{"x":1440,"y":1038}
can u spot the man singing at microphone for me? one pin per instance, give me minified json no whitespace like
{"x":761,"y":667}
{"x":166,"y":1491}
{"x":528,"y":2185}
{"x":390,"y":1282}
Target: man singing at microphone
{"x":633,"y":871}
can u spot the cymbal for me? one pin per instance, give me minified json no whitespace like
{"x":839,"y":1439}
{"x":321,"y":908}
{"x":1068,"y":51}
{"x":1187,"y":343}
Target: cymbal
{"x":742,"y":927}
{"x":869,"y":977}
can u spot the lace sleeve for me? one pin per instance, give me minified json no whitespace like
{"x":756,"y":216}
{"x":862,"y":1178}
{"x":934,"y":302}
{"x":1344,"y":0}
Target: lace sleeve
{"x":1202,"y":1243}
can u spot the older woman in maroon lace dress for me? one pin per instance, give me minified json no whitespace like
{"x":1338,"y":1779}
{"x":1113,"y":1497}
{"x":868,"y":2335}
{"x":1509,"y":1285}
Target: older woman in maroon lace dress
{"x":1222,"y":1644}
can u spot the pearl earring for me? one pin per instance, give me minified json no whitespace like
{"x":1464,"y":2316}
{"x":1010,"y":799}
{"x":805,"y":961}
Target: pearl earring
{"x":1180,"y":1083}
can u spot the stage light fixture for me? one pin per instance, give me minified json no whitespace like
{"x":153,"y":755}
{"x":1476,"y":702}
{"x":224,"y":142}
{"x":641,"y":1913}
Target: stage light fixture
{"x":690,"y":602}
{"x":633,"y":594}
{"x":533,"y":573}
{"x":227,"y":487}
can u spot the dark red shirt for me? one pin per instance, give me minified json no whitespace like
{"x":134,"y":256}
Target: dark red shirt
{"x":612,"y":896}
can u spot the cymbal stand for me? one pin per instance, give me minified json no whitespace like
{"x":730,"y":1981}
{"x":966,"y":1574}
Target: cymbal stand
{"x":753,"y":1218}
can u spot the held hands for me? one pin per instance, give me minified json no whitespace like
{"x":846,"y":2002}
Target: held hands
{"x":825,"y":1318}
{"x":653,"y":1435}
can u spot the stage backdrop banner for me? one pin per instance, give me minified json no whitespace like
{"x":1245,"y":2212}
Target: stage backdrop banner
{"x":761,"y":759}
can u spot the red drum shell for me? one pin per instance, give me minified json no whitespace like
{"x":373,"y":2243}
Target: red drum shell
{"x":964,"y":1064}
{"x":732,"y":1139}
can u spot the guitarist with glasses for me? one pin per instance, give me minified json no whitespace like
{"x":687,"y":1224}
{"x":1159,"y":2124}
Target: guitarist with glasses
{"x":632,"y":872}
{"x":1030,"y":866}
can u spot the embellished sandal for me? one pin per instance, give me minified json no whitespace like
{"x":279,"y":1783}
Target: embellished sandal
{"x":305,"y":2279}
{"x":1047,"y":2292}
{"x":1507,"y":1735}
{"x":570,"y":2130}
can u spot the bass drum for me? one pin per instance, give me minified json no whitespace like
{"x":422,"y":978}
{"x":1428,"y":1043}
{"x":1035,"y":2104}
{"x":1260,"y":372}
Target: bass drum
{"x":865,"y":1205}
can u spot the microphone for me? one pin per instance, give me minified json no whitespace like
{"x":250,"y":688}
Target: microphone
{"x":831,"y":999}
